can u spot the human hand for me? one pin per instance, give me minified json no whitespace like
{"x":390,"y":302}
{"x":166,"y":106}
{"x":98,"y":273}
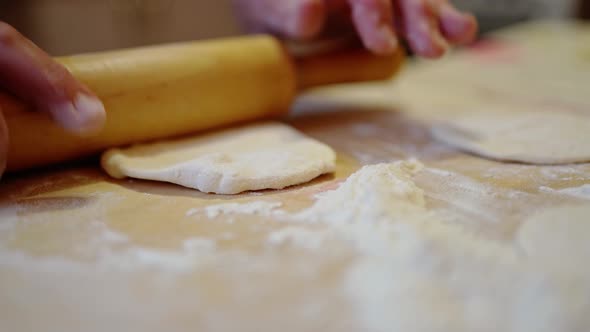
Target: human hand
{"x":30,"y":74}
{"x":428,"y":26}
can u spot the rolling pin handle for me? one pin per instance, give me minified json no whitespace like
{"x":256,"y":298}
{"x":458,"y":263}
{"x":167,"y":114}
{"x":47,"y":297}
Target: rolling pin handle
{"x":346,"y":67}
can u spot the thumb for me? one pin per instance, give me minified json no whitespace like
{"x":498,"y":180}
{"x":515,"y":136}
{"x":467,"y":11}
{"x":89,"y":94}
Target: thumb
{"x":31,"y":74}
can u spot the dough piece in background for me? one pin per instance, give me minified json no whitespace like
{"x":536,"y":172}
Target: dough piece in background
{"x":261,"y":156}
{"x":529,"y":136}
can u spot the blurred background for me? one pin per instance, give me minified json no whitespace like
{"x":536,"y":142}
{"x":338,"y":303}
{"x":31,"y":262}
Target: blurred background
{"x":73,"y":26}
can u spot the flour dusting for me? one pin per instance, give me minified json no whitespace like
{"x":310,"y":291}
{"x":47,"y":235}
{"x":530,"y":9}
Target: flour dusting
{"x":373,"y":194}
{"x":580,"y":192}
{"x":259,"y":208}
{"x":414,"y":272}
{"x":298,"y":237}
{"x":378,"y":258}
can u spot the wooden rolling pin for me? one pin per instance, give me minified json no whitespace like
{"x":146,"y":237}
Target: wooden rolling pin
{"x":158,"y":92}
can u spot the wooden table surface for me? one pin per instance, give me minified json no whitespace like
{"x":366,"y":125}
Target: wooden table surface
{"x":82,"y":252}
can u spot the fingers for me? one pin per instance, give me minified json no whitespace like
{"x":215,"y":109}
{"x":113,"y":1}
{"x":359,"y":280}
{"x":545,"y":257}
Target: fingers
{"x":3,"y":144}
{"x":32,"y":75}
{"x":429,"y":26}
{"x":421,"y":28}
{"x":373,"y":20}
{"x":457,"y":27}
{"x":296,"y":19}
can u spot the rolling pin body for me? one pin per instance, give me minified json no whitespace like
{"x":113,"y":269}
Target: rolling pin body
{"x":165,"y":91}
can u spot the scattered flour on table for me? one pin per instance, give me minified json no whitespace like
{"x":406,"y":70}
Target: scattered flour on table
{"x":410,"y":271}
{"x":107,"y":250}
{"x":581,"y":191}
{"x":259,"y":208}
{"x":578,"y":192}
{"x":298,"y":237}
{"x":373,"y":194}
{"x":562,"y":172}
{"x":416,"y":273}
{"x":480,"y":201}
{"x":115,"y":251}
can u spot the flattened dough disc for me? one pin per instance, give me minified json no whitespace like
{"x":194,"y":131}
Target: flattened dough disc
{"x":262,"y":156}
{"x":535,"y":136}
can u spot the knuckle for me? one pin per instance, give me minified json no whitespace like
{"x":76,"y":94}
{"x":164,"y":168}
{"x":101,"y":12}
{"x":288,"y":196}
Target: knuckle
{"x":8,"y":35}
{"x":415,"y":8}
{"x":59,"y":78}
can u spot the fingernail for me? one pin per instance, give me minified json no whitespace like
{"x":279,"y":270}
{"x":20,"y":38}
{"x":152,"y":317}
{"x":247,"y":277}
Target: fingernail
{"x":440,"y":41}
{"x":390,"y":42}
{"x":85,"y":115}
{"x":428,"y":42}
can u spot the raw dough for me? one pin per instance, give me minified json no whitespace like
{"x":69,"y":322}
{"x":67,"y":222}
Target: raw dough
{"x":262,"y":156}
{"x":536,"y":136}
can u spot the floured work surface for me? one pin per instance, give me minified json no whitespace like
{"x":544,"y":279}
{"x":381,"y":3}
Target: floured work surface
{"x":455,"y":244}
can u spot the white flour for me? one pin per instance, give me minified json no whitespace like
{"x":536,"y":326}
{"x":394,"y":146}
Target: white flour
{"x":373,"y":194}
{"x":112,"y":251}
{"x":416,"y":273}
{"x":406,"y":270}
{"x":259,"y":208}
{"x":562,"y":173}
{"x":580,"y":192}
{"x":468,"y":195}
{"x":298,"y":237}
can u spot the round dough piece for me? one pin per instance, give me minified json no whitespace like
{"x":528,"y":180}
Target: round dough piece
{"x":262,"y":156}
{"x":535,"y":137}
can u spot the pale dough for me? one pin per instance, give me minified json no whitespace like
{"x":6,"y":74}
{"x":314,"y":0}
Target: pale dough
{"x":262,"y":156}
{"x":532,"y":136}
